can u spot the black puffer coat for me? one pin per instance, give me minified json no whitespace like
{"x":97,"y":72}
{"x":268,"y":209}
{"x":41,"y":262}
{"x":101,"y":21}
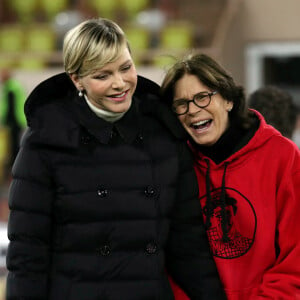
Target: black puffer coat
{"x":91,"y":203}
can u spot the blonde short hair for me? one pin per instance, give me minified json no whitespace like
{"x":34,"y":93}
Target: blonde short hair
{"x":92,"y":44}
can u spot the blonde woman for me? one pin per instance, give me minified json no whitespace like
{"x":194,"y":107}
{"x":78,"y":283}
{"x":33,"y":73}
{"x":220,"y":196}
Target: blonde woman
{"x":103,"y":195}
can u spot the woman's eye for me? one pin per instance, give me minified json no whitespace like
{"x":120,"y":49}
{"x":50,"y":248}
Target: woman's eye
{"x":126,"y":68}
{"x":101,"y":77}
{"x":201,"y":97}
{"x":180,"y":103}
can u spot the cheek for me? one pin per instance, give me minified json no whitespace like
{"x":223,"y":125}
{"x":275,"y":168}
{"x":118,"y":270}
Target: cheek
{"x":133,"y":78}
{"x":182,"y":120}
{"x":98,"y":89}
{"x":223,"y":119}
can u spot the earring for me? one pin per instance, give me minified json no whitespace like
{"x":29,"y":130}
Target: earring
{"x":230,"y":108}
{"x":80,"y":93}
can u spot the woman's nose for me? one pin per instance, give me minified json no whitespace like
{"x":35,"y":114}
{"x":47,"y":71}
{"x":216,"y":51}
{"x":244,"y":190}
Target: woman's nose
{"x":193,"y":108}
{"x":118,"y":82}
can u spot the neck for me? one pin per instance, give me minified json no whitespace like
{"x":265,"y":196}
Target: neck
{"x":232,"y":140}
{"x":108,"y":116}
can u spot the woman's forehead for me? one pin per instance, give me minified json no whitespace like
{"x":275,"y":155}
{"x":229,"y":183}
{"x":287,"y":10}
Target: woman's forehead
{"x":189,"y":85}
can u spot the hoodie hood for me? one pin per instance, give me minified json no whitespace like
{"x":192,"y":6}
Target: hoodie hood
{"x":264,"y":133}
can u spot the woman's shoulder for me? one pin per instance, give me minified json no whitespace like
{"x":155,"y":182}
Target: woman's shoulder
{"x":146,"y":86}
{"x":286,"y":145}
{"x":153,"y":107}
{"x":148,"y":96}
{"x":48,"y":91}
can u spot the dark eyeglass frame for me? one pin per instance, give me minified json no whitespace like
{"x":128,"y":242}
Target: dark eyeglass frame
{"x":187,"y":102}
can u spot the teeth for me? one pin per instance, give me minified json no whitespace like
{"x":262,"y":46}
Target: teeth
{"x":120,"y":95}
{"x":200,"y":123}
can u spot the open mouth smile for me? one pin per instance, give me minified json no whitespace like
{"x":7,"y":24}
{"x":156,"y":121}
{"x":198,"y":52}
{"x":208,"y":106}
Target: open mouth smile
{"x":201,"y":125}
{"x":120,"y":96}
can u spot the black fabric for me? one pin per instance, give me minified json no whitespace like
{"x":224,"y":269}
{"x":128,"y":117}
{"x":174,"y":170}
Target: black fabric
{"x":99,"y":210}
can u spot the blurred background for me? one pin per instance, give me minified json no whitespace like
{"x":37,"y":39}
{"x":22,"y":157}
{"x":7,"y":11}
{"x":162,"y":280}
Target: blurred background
{"x":258,"y":41}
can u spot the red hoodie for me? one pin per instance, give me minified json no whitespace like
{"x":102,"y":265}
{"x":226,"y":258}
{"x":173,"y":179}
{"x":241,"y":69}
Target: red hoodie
{"x":257,"y":191}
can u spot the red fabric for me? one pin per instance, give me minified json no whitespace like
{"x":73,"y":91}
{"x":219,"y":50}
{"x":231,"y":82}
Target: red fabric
{"x":178,"y":292}
{"x":262,"y":185}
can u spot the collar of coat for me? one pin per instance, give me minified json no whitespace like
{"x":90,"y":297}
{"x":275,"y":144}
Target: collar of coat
{"x":55,"y":113}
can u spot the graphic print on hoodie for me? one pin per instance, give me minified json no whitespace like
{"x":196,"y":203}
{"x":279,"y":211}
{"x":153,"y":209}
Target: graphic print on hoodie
{"x":228,"y":233}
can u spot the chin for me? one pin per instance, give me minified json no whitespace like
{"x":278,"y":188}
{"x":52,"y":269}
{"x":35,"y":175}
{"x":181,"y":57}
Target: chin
{"x":122,"y":108}
{"x":204,"y":142}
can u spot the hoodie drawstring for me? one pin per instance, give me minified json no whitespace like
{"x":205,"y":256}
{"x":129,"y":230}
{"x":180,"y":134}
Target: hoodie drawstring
{"x":210,"y":206}
{"x":224,"y":221}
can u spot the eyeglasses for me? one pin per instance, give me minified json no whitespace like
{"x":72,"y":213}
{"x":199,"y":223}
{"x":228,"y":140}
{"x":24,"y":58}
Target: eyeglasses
{"x":201,"y":100}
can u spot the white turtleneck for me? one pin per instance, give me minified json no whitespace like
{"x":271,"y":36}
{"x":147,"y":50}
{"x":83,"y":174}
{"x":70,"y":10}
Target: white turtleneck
{"x":108,"y":116}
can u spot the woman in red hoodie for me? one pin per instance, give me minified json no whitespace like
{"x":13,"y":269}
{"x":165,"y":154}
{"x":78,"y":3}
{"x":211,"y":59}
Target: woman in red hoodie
{"x":249,"y":182}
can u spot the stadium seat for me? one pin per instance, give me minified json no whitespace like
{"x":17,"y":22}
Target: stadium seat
{"x":40,"y":38}
{"x":105,"y":9}
{"x":24,"y":9}
{"x":132,"y":7}
{"x":177,"y":36}
{"x":138,"y":37}
{"x":11,"y":38}
{"x":52,"y":7}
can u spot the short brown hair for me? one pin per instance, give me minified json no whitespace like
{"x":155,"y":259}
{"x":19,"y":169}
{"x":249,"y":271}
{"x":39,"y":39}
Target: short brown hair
{"x":214,"y":76}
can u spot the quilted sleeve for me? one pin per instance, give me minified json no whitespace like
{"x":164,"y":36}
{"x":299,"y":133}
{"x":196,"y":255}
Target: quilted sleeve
{"x":29,"y":227}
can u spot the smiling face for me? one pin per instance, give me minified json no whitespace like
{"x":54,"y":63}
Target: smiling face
{"x":110,"y":88}
{"x":205,"y":125}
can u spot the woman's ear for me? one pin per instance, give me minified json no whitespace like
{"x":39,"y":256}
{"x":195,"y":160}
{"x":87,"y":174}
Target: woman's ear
{"x":76,"y":80}
{"x":229,"y":106}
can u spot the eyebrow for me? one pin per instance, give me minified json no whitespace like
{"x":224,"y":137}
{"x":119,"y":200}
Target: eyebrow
{"x":187,"y":99}
{"x":103,"y":70}
{"x":126,"y":62}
